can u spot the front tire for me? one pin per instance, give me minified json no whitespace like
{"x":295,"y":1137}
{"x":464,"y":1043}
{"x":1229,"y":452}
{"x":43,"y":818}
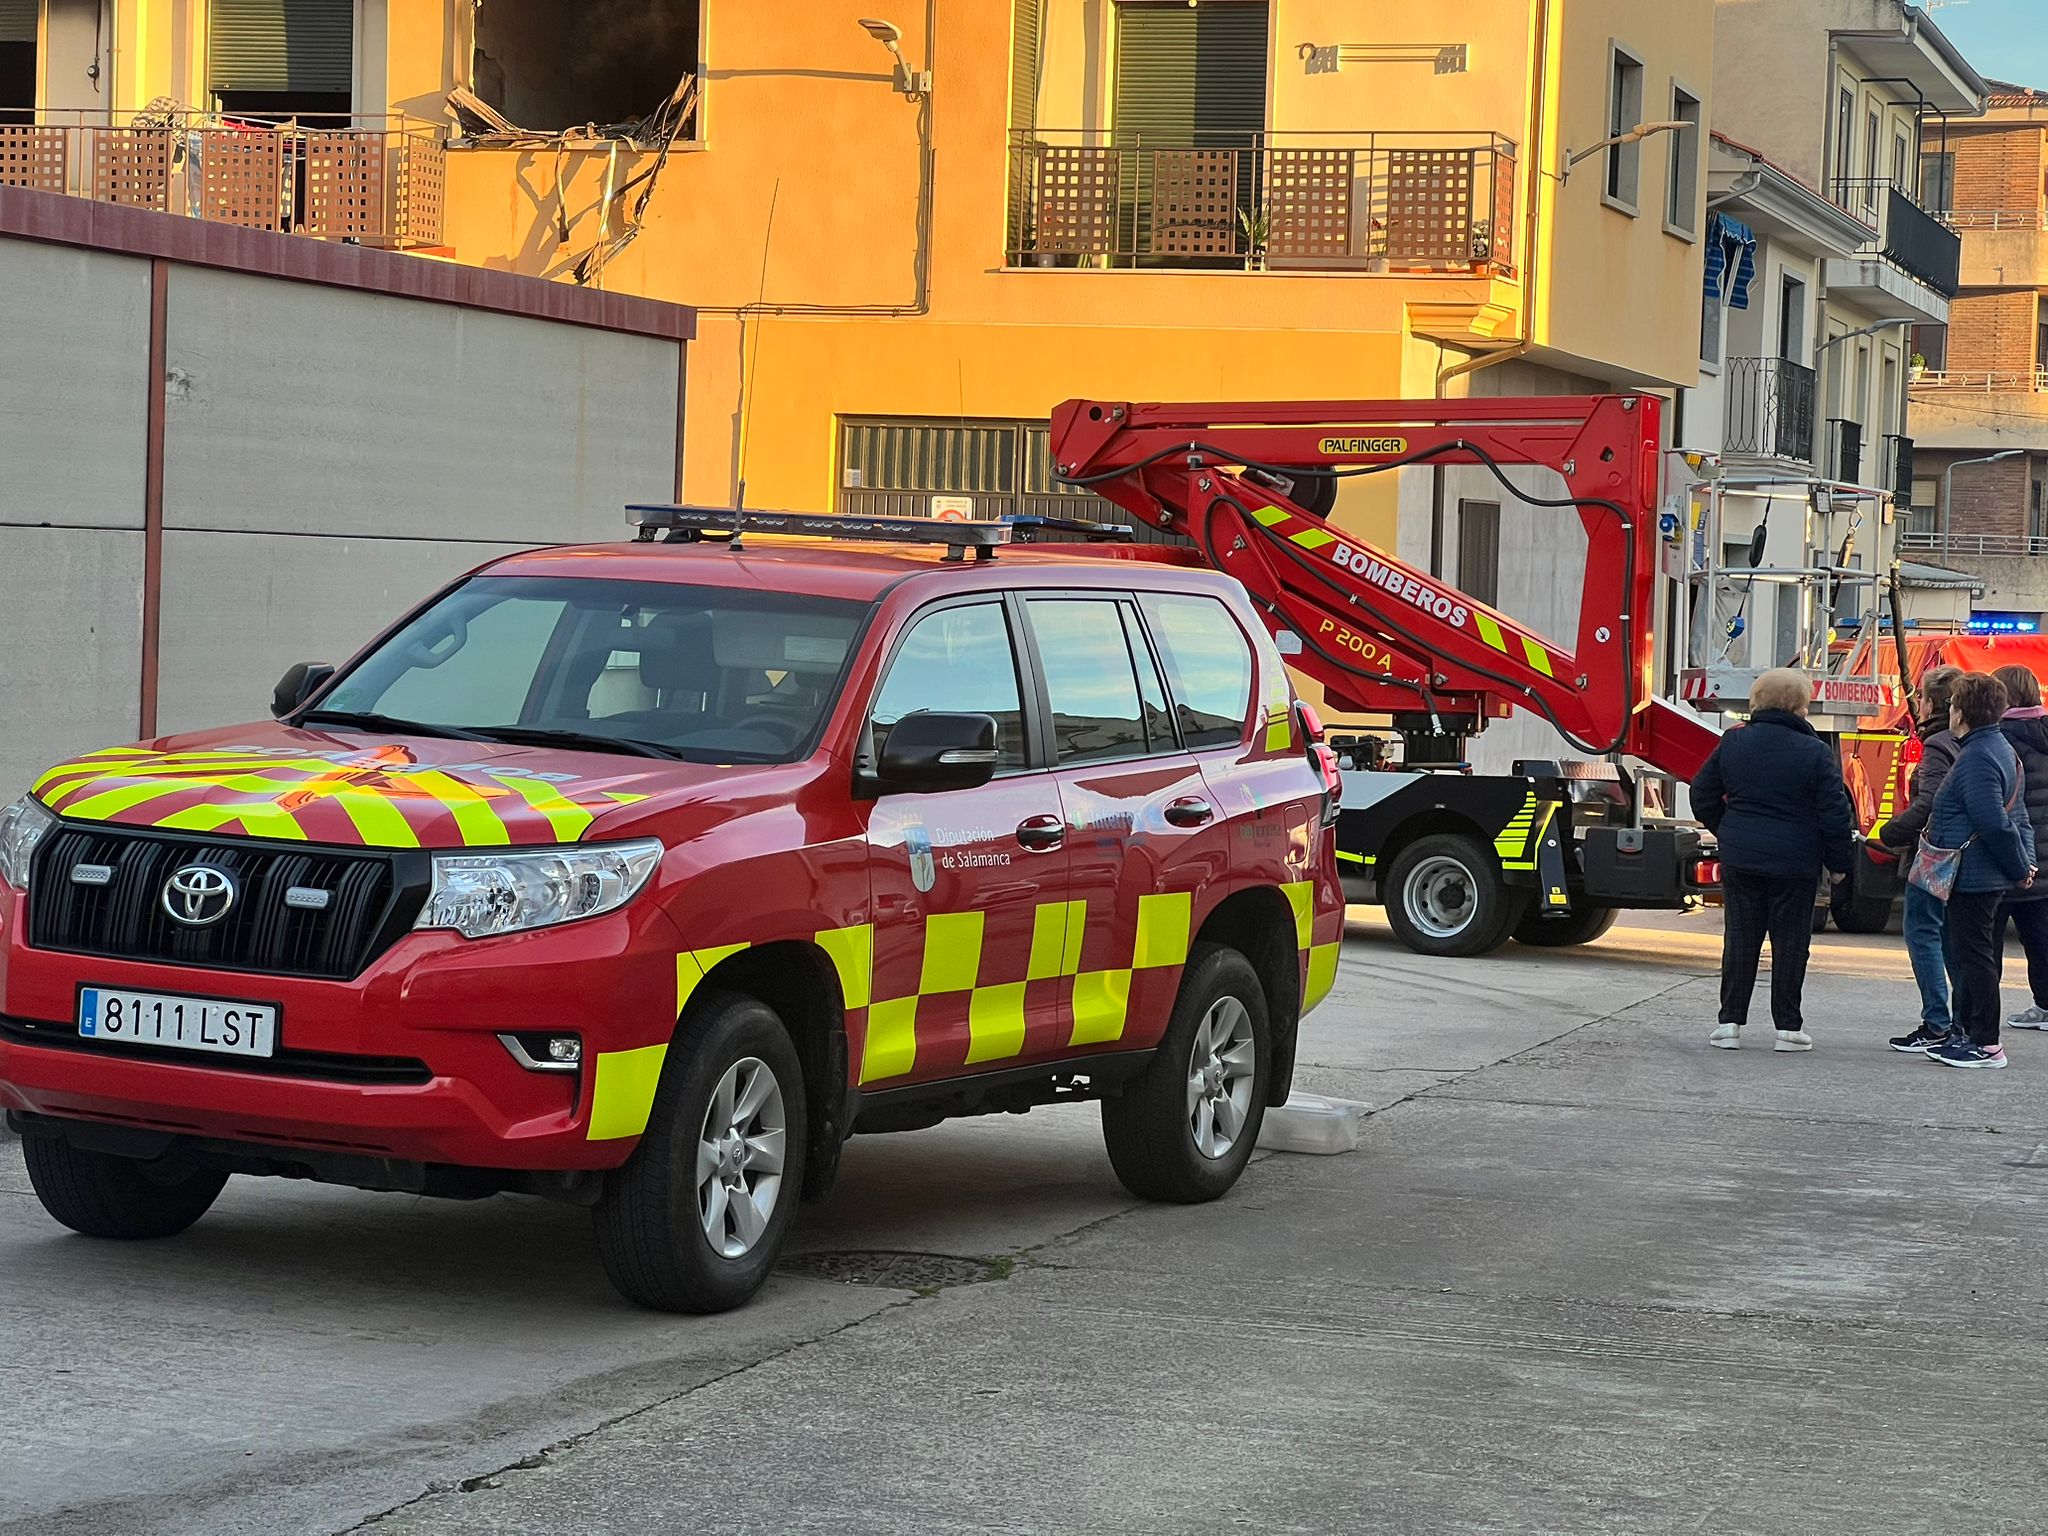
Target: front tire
{"x":1582,"y":925}
{"x":1445,"y":896}
{"x":695,"y":1219}
{"x":1872,"y":914}
{"x":101,"y":1195}
{"x":1183,"y":1129}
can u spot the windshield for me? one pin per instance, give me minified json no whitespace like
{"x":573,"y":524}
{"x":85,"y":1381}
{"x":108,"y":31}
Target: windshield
{"x":701,"y":673}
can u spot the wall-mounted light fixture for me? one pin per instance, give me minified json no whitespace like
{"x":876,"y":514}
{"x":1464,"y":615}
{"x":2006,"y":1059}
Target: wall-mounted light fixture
{"x":1326,"y":58}
{"x":1635,"y":135}
{"x":911,"y":82}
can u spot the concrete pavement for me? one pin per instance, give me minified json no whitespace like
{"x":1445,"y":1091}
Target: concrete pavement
{"x":1583,"y":1274}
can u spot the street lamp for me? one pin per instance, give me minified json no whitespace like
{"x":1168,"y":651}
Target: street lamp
{"x":912,"y":83}
{"x":1948,"y":487}
{"x":1635,"y":135}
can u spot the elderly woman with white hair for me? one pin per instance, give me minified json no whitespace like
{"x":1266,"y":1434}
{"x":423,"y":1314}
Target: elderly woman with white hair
{"x":1772,"y":794}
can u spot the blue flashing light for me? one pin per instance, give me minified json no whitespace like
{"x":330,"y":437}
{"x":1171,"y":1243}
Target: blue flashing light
{"x":2005,"y":624}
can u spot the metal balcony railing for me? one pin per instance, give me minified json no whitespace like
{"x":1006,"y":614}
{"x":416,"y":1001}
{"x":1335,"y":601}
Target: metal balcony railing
{"x":1265,"y":201}
{"x":1995,"y":218}
{"x":1997,"y":545}
{"x":1898,"y":467}
{"x":1990,"y":380}
{"x":371,"y":180}
{"x":1906,"y":235}
{"x":1770,"y":408}
{"x":1845,"y":450}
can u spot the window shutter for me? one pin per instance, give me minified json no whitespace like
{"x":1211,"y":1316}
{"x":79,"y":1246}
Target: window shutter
{"x":17,"y":25}
{"x":1191,"y":77}
{"x":282,"y":45}
{"x":1024,"y":47}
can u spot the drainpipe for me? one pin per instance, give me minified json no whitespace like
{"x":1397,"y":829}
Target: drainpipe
{"x":1535,"y":152}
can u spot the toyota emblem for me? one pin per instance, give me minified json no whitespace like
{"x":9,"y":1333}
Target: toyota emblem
{"x":199,"y":895}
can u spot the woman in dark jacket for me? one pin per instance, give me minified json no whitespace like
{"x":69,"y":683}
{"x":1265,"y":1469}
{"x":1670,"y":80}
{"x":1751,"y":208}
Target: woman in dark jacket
{"x":2025,"y":726}
{"x":1979,"y":811}
{"x":1925,"y":914}
{"x":1772,"y":794}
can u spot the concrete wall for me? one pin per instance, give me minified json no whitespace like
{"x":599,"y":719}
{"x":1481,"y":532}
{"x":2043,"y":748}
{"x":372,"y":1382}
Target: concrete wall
{"x":330,"y":456}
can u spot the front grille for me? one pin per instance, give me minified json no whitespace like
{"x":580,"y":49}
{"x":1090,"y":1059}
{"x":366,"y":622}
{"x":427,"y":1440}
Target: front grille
{"x":327,"y":1066}
{"x":371,"y":899}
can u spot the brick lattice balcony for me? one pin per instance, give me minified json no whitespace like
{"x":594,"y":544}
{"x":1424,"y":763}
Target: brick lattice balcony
{"x":374,"y":181}
{"x":1267,"y":201}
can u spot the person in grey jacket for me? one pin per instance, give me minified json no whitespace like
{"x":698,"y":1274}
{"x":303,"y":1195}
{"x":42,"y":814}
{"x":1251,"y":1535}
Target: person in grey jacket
{"x":1979,"y":811}
{"x":1925,"y":916}
{"x":2026,"y":726}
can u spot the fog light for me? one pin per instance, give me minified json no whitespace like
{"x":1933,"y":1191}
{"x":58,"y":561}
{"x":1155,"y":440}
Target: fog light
{"x":540,"y":1052}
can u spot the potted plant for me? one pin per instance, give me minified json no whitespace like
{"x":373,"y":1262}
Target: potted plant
{"x":1915,"y":368}
{"x":1252,"y":223}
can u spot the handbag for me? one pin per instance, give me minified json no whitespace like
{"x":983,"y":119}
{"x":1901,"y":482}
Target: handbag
{"x":1935,"y":868}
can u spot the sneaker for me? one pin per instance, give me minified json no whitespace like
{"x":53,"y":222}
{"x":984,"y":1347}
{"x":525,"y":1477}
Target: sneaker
{"x":1921,"y":1041}
{"x":1964,"y":1054}
{"x":1793,"y":1040}
{"x":1726,"y":1037}
{"x":2035,"y":1017}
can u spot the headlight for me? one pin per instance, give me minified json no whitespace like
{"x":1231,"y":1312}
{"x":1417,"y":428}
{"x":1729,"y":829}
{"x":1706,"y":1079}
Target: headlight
{"x":22,"y":826}
{"x":478,"y":894}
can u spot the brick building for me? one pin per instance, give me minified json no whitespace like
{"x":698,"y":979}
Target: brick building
{"x":1980,"y":398}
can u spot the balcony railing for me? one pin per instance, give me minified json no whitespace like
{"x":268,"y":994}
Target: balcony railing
{"x":1898,"y":467}
{"x":2002,"y":545}
{"x":1996,"y":218}
{"x":1907,"y":235}
{"x":1989,"y":380}
{"x":1271,"y":201}
{"x":374,"y":181}
{"x":1845,"y":450}
{"x":1770,"y":408}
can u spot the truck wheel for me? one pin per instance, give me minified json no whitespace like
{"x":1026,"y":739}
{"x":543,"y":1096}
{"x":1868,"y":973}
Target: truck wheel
{"x":1183,"y":1129}
{"x":1445,"y":896}
{"x":693,"y":1221}
{"x":1582,"y":925}
{"x":106,"y":1196}
{"x":1872,"y":914}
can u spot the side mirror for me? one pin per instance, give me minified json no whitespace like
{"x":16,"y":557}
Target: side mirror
{"x":298,"y":684}
{"x":929,"y":751}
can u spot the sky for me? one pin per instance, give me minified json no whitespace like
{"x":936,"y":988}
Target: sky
{"x":2003,"y":39}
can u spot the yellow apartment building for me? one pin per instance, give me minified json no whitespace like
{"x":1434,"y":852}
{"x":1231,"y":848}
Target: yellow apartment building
{"x":910,"y":234}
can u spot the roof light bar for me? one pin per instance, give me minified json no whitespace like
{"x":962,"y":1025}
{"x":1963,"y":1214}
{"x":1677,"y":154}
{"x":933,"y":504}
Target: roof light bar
{"x":687,"y":525}
{"x":1032,"y":528}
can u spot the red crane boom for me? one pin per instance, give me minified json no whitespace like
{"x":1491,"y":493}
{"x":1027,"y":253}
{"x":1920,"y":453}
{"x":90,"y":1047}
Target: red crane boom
{"x":1248,"y":484}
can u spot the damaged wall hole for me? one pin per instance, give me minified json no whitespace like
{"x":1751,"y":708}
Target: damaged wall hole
{"x":550,"y":67}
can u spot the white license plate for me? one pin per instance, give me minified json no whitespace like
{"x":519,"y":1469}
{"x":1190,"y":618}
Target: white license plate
{"x":179,"y":1023}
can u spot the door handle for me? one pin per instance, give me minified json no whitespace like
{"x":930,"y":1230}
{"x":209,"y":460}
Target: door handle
{"x":1190,"y":812}
{"x":1041,"y":834}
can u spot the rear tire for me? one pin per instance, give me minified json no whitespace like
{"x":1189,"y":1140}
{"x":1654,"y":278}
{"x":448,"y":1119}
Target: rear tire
{"x":1445,"y":896}
{"x":1216,"y":1055}
{"x":101,"y":1195}
{"x":721,"y":1162}
{"x":1582,"y":925}
{"x":1873,"y":914}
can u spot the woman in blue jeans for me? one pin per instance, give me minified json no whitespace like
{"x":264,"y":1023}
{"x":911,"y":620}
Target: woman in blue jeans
{"x":1924,"y":914}
{"x":1979,"y":811}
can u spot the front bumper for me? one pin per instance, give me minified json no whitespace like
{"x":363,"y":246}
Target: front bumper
{"x":403,"y":1062}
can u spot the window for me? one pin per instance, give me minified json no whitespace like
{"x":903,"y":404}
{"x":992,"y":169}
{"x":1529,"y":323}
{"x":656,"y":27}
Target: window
{"x":290,"y":56}
{"x":2037,"y":528}
{"x":1902,"y":163}
{"x":1845,"y":131}
{"x":1479,"y":549}
{"x":956,"y":659}
{"x":18,"y":69}
{"x":1682,"y":184}
{"x":1159,"y":732}
{"x":1938,"y":182}
{"x":1870,"y":132}
{"x":1792,"y":319}
{"x":1624,"y":111}
{"x":549,"y":66}
{"x":708,"y":673}
{"x":907,"y":466}
{"x":1208,"y":666}
{"x":1089,"y":680}
{"x":1926,"y":513}
{"x":1930,"y":342}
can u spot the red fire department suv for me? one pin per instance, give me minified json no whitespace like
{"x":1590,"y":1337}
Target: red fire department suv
{"x":641,"y":875}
